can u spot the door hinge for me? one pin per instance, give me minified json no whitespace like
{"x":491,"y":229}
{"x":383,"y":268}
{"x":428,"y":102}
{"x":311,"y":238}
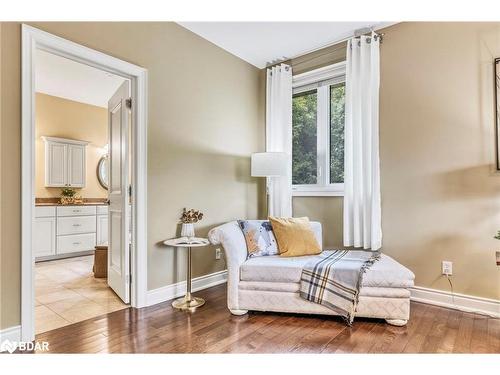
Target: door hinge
{"x":128,"y":103}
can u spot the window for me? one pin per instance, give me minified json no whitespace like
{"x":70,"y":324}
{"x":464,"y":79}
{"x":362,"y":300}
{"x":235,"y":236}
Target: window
{"x":337,"y":118}
{"x":318,"y":131}
{"x":305,"y":135}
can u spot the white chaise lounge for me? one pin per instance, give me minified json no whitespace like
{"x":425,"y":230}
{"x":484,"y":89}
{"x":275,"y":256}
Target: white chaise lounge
{"x":271,"y":283}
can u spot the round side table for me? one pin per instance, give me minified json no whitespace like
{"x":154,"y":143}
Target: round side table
{"x":188,"y":302}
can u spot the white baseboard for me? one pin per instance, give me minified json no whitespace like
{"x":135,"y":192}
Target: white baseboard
{"x":460,"y":302}
{"x":179,"y":289}
{"x":436,"y":297}
{"x":12,"y":334}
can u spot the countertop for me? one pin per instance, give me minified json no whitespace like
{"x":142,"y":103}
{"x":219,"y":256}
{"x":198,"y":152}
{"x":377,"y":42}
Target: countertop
{"x":45,"y":204}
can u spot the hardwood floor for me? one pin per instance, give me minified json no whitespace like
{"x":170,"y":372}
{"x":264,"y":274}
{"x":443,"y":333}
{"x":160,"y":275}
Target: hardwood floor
{"x":212,"y":329}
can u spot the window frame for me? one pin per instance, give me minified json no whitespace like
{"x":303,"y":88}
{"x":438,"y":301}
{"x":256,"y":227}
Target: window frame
{"x":320,"y":79}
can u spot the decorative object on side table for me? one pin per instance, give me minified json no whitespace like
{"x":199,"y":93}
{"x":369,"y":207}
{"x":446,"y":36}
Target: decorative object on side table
{"x":188,"y":219}
{"x":188,"y":302}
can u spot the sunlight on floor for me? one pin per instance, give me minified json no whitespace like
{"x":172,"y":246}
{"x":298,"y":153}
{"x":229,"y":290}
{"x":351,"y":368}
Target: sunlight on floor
{"x":66,"y":292}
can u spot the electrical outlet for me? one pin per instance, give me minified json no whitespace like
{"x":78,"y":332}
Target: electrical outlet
{"x":217,"y":253}
{"x":447,"y":267}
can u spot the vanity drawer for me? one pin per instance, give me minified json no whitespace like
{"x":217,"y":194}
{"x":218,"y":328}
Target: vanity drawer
{"x":102,"y":210}
{"x":76,"y":210}
{"x":45,"y":211}
{"x":75,"y":243}
{"x":76,"y":225}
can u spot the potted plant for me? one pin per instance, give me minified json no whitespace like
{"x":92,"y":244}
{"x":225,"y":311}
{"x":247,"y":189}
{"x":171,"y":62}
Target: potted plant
{"x":68,"y":195}
{"x":188,"y":218}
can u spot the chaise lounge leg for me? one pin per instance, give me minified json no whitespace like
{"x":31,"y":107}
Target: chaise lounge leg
{"x":397,"y":322}
{"x":238,"y":312}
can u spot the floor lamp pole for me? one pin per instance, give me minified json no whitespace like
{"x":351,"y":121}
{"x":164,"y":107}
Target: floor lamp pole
{"x":268,"y":180}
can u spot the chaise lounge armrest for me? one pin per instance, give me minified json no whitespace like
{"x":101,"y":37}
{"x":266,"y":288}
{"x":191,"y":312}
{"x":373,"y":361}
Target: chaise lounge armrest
{"x":231,"y":238}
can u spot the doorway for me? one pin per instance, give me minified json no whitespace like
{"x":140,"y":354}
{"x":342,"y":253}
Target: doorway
{"x":77,"y":109}
{"x":76,"y":226}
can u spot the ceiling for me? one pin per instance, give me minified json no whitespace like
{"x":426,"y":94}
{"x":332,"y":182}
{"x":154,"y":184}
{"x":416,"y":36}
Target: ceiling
{"x":68,"y":79}
{"x":261,"y":43}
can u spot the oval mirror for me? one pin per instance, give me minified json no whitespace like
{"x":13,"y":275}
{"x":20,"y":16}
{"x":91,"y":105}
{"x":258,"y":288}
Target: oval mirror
{"x":103,"y":171}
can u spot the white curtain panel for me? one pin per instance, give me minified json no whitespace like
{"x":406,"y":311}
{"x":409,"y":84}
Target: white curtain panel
{"x":279,"y":136}
{"x":362,"y":211}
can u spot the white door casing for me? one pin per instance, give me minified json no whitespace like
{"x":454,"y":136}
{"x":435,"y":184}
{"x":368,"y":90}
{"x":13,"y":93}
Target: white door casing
{"x":33,"y":39}
{"x":118,"y":224}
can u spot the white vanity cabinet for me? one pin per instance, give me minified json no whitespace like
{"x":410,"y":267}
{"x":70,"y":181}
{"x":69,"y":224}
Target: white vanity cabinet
{"x":44,"y":232}
{"x":60,"y":231}
{"x":65,"y":162}
{"x":102,"y":225}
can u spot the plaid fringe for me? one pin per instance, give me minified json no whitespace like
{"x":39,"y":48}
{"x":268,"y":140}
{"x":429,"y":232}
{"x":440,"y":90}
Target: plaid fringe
{"x":334,"y":279}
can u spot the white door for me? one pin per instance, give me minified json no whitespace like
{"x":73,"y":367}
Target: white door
{"x":118,"y":237}
{"x":76,"y":165}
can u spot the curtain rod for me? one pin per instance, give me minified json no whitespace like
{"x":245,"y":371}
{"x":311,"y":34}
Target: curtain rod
{"x":380,"y":35}
{"x":317,"y":56}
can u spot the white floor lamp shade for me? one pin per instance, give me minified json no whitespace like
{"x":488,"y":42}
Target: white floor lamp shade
{"x":273,"y":166}
{"x":268,"y":164}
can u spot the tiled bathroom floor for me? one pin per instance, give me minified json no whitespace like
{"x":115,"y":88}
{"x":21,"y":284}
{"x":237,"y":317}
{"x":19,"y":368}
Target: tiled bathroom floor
{"x":66,"y":292}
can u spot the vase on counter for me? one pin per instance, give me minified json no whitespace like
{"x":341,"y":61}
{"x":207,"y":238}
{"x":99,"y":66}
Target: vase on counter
{"x":67,"y":200}
{"x":187,"y":230}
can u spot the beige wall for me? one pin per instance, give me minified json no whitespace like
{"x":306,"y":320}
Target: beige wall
{"x":440,"y":192}
{"x":1,"y":187}
{"x":58,"y":117}
{"x":10,"y":190}
{"x":205,"y":118}
{"x":326,"y":210}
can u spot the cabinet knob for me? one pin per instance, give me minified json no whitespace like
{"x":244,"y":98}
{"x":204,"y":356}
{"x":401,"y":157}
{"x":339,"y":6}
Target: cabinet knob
{"x":77,"y":225}
{"x":76,"y":243}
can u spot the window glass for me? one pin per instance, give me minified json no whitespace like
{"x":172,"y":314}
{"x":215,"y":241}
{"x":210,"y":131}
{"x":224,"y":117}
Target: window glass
{"x":337,"y":118}
{"x":304,"y":146}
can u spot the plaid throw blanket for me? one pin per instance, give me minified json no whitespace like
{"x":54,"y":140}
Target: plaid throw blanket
{"x":333,"y":279}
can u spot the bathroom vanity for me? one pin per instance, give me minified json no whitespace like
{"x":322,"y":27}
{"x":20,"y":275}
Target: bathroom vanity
{"x":68,"y":230}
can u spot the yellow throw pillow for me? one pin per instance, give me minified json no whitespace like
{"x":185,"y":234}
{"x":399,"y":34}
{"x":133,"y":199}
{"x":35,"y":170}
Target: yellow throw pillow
{"x":294,"y":236}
